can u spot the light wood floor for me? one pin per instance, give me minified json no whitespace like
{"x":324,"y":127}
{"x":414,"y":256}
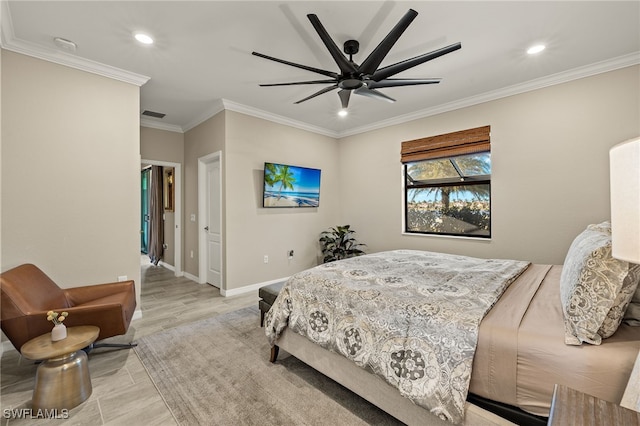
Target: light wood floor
{"x":123,"y":393}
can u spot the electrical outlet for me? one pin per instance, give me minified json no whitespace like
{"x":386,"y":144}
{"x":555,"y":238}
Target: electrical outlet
{"x":266,"y":259}
{"x":122,"y":278}
{"x":192,"y":254}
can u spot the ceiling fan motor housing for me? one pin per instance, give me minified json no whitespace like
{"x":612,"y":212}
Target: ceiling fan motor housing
{"x":351,"y":47}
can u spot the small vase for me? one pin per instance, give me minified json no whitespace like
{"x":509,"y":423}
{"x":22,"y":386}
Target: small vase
{"x":59,"y":332}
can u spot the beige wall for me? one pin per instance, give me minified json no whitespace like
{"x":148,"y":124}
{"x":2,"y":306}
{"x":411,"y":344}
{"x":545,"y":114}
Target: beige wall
{"x":70,"y":172}
{"x":166,"y":146}
{"x":204,"y":139}
{"x":161,"y":145}
{"x":550,"y":174}
{"x":253,"y":231}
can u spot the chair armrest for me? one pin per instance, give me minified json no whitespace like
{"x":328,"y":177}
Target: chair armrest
{"x":81,"y":295}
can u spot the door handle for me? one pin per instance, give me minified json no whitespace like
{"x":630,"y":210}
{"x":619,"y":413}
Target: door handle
{"x":206,"y":228}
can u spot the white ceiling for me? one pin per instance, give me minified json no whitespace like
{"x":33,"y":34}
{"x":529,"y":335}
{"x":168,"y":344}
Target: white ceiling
{"x":202,"y":62}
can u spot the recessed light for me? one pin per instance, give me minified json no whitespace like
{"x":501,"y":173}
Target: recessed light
{"x":343,"y":112}
{"x":536,"y":49}
{"x":143,"y":38}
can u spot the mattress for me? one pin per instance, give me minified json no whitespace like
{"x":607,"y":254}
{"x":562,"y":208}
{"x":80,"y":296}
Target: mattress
{"x":521,"y":352}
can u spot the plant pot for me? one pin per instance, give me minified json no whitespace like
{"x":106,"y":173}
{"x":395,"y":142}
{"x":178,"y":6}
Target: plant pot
{"x":59,"y":332}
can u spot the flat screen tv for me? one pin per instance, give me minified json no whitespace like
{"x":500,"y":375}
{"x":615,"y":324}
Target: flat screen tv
{"x":290,"y":186}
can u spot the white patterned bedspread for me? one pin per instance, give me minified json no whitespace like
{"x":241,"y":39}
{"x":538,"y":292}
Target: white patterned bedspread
{"x":409,"y":316}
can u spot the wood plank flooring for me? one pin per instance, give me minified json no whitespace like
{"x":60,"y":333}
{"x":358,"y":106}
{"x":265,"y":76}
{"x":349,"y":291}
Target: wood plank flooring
{"x":123,"y":393}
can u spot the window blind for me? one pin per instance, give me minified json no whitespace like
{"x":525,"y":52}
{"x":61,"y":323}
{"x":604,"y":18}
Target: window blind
{"x":447,"y":145}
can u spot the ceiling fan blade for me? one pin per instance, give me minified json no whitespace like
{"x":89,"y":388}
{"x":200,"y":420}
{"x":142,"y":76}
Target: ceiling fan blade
{"x":319,"y":92}
{"x":294,"y":83}
{"x":344,"y":97}
{"x":394,"y":69}
{"x":371,"y":93}
{"x":345,"y":66}
{"x":375,"y":58}
{"x":398,"y":82}
{"x":293,"y":64}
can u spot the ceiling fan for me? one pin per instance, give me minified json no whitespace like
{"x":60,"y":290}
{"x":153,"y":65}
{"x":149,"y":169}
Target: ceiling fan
{"x":365,"y":78}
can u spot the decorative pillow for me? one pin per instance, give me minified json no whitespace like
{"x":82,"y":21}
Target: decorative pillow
{"x":632,"y":314}
{"x":621,"y":304}
{"x":590,"y":283}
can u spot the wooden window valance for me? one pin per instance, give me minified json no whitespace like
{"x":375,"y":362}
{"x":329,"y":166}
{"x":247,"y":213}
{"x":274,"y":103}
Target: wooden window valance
{"x":447,"y":145}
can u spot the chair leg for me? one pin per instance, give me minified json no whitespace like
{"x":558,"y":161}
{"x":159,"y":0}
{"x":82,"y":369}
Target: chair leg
{"x":109,"y":345}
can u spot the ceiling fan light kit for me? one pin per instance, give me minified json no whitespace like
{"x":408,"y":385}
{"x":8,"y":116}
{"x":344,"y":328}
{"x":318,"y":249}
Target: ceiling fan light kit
{"x":366,"y":78}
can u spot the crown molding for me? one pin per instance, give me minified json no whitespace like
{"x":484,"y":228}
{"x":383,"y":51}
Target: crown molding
{"x":8,"y":41}
{"x":216,"y":107}
{"x":255,"y":112}
{"x":147,"y":122}
{"x":225,"y":104}
{"x":540,"y":83}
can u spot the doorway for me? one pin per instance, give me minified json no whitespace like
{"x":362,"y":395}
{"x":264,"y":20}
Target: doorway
{"x":177,"y":212}
{"x":210,"y":238}
{"x":145,"y":179}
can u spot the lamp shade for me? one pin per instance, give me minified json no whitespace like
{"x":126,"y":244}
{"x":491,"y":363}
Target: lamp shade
{"x":624,"y":162}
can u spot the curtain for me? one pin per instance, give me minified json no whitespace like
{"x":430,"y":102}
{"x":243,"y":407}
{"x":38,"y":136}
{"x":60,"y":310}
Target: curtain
{"x":156,"y":211}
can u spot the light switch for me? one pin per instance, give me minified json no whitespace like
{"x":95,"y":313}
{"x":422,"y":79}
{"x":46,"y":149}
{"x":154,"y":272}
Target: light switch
{"x":193,"y":217}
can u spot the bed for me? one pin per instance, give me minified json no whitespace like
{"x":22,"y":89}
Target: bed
{"x":521,"y":345}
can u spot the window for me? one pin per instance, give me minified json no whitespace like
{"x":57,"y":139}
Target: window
{"x":448,"y":184}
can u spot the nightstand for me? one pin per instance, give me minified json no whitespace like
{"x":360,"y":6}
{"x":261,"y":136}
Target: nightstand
{"x":572,"y":407}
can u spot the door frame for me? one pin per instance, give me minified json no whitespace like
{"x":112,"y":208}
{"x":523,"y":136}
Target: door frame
{"x":203,"y":162}
{"x":177,"y":211}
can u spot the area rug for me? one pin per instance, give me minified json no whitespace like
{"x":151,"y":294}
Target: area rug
{"x":217,"y":372}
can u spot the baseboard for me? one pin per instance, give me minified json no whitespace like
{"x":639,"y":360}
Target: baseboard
{"x":6,"y":346}
{"x":191,"y":277}
{"x":249,"y":288}
{"x":167,"y":265}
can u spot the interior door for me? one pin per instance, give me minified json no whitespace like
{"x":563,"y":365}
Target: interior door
{"x":214,"y":224}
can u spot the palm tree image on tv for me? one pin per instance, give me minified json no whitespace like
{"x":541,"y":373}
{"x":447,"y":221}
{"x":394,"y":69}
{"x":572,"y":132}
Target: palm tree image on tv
{"x":435,"y":204}
{"x":291,"y":186}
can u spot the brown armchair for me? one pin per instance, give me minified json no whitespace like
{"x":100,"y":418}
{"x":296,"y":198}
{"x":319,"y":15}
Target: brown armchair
{"x":27,"y":294}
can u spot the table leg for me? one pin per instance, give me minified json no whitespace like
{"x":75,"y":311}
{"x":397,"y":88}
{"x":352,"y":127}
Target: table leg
{"x":62,"y":382}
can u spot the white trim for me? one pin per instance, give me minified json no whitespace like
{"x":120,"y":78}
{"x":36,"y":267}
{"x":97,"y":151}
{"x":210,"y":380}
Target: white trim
{"x":10,"y":42}
{"x":147,"y":122}
{"x":249,"y":288}
{"x":539,"y":83}
{"x":167,"y":265}
{"x":215,"y":108}
{"x":191,"y":277}
{"x":137,"y":314}
{"x":177,"y":252}
{"x":255,"y":112}
{"x":202,"y":212}
{"x":6,"y":347}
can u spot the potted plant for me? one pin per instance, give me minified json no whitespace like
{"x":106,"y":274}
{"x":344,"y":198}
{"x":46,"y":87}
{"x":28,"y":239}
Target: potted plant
{"x":339,"y":243}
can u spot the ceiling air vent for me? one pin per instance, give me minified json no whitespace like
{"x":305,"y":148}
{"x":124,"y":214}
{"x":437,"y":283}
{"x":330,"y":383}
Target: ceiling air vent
{"x":153,"y":114}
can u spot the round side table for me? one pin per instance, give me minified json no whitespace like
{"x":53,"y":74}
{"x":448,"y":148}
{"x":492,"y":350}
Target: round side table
{"x":62,"y":379}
